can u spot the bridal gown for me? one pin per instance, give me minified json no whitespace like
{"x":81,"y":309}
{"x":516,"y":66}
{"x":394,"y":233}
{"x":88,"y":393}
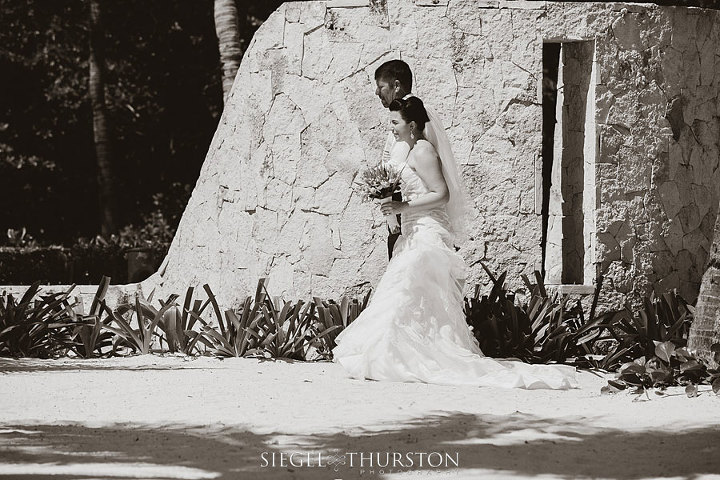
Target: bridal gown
{"x":414,"y":328}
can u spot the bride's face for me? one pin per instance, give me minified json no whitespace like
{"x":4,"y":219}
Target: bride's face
{"x":399,"y":127}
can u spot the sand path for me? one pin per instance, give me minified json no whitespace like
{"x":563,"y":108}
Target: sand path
{"x":177,"y":418}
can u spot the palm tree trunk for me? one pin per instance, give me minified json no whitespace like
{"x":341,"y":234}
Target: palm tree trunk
{"x":705,"y":330}
{"x":227,"y":30}
{"x":105,"y":177}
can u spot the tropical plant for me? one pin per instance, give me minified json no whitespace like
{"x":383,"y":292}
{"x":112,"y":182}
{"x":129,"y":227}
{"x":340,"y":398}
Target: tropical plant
{"x":88,"y":332}
{"x":146,"y":317}
{"x":500,"y":327}
{"x":260,"y":328}
{"x":669,"y":365}
{"x":545,"y":329}
{"x":286,"y":332}
{"x":232,"y":337}
{"x":273,"y":328}
{"x":332,"y":318}
{"x":663,"y":318}
{"x":34,"y":327}
{"x":177,"y":325}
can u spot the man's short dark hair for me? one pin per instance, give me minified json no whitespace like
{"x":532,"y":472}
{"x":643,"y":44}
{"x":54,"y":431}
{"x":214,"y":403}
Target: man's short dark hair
{"x":395,"y":70}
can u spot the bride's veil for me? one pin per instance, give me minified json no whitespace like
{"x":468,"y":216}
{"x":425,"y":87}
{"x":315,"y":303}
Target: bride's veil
{"x":457,"y":205}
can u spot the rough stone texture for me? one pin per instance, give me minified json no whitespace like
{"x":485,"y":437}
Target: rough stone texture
{"x":706,"y":323}
{"x":275,"y":195}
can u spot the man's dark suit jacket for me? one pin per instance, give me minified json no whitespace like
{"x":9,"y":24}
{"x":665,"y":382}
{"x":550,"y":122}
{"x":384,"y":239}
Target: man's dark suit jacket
{"x":392,"y":237}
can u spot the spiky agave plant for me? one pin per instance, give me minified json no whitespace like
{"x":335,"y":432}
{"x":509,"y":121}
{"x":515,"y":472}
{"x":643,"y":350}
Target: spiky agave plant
{"x":144,"y":315}
{"x":36,"y":325}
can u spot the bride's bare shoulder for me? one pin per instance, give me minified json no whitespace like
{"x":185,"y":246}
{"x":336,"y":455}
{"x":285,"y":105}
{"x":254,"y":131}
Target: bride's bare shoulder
{"x":425,"y":150}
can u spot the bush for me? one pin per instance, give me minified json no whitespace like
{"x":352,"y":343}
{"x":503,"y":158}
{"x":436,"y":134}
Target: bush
{"x":32,"y":326}
{"x":542,"y":330}
{"x":27,"y":264}
{"x":54,"y":325}
{"x":649,"y":345}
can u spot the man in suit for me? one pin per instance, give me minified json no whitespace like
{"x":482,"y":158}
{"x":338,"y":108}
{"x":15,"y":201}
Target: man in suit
{"x":393,"y":80}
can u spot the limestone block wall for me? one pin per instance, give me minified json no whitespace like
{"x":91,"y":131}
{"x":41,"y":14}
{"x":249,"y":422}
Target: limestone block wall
{"x":658,"y":139}
{"x":275,"y":195}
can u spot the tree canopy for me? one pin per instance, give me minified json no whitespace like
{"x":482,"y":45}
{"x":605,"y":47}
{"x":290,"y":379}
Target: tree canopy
{"x":164,"y":99}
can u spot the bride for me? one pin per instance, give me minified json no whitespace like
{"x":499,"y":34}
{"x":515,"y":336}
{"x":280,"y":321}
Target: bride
{"x":414,"y":328}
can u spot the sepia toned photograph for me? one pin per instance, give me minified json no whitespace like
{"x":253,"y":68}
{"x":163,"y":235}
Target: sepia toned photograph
{"x":359,"y":239}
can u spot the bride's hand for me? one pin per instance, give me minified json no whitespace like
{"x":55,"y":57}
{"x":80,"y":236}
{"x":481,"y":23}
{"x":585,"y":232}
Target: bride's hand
{"x":392,"y":207}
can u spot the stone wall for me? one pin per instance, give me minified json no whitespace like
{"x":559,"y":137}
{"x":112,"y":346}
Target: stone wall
{"x":659,"y":135}
{"x":275,"y":196}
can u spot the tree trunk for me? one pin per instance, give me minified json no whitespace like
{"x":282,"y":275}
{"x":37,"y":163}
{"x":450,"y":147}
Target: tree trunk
{"x":705,"y":330}
{"x":227,"y":30}
{"x":105,"y":177}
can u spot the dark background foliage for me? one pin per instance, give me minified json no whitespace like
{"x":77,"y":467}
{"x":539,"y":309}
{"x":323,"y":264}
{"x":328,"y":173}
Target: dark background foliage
{"x":163,"y":96}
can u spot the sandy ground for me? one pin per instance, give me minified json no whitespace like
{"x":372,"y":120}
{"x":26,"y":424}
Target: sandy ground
{"x":156,"y":417}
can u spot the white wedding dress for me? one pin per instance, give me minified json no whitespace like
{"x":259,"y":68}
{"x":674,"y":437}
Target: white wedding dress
{"x":414,"y":328}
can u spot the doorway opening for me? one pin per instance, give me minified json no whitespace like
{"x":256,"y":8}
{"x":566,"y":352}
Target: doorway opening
{"x":568,"y":169}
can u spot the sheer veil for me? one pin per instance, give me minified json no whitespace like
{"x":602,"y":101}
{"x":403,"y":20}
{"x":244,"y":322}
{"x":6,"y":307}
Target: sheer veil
{"x":457,"y":205}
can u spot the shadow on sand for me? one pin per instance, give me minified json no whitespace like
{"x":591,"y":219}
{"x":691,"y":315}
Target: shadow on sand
{"x":20,"y":365}
{"x":521,"y":445}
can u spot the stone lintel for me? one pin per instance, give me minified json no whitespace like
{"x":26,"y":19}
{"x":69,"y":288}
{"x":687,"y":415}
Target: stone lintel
{"x":522,"y":5}
{"x":347,"y":3}
{"x":510,"y":4}
{"x":572,"y":289}
{"x":566,"y":39}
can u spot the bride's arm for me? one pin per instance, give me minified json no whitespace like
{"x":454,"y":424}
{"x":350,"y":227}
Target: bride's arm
{"x":429,"y":169}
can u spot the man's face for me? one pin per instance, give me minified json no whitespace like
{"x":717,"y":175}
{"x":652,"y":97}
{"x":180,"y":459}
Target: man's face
{"x":385,"y":91}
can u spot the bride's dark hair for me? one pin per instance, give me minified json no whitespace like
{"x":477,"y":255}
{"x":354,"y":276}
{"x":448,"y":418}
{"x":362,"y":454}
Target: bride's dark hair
{"x":411,"y":110}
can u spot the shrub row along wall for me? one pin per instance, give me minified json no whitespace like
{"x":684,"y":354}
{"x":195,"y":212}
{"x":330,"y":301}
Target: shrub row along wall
{"x":57,"y":265}
{"x":275,"y":194}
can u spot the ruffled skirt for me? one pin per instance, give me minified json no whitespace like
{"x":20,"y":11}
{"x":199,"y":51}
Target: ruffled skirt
{"x":414,"y":328}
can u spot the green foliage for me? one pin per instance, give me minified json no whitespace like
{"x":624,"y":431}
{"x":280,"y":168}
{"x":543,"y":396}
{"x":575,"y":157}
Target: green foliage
{"x":669,"y":365}
{"x":651,"y":348}
{"x":52,"y":325}
{"x":234,"y":337}
{"x":145,"y":316}
{"x":177,"y":326}
{"x":542,"y":330}
{"x":89,"y":332}
{"x":262,"y":326}
{"x":269,"y":328}
{"x":664,"y":318}
{"x":31,"y":326}
{"x":649,"y":345}
{"x":163,"y":96}
{"x":25,"y":265}
{"x":332,"y":318}
{"x":90,"y":259}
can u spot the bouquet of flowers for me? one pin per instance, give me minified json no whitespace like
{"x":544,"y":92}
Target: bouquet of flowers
{"x":380,"y":183}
